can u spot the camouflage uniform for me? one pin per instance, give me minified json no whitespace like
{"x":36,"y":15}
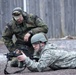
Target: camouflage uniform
{"x":53,"y":57}
{"x":30,"y":23}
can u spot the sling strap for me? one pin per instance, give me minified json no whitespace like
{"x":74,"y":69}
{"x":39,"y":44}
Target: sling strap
{"x":6,"y":72}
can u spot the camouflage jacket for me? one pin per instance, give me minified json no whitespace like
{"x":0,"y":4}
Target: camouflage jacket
{"x":54,"y":58}
{"x":30,"y":23}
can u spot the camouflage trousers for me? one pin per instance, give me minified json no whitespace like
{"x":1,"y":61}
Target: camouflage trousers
{"x":16,"y":63}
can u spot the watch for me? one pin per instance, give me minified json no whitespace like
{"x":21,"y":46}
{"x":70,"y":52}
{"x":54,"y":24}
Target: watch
{"x":31,"y":32}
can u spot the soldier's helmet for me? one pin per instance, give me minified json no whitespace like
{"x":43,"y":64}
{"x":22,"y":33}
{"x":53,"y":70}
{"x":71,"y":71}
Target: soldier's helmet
{"x":39,"y":37}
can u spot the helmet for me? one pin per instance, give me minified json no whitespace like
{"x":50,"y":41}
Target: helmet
{"x":40,"y":37}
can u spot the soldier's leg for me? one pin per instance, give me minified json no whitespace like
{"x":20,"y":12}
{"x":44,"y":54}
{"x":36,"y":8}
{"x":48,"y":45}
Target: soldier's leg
{"x":14,"y":62}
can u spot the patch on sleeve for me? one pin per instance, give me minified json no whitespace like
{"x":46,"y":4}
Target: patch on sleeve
{"x":6,"y":26}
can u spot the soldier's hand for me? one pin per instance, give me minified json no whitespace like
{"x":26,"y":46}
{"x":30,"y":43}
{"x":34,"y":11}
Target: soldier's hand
{"x":26,"y":37}
{"x":21,"y":57}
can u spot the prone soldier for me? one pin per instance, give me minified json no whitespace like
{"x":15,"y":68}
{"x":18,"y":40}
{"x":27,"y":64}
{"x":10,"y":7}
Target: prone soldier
{"x":50,"y":56}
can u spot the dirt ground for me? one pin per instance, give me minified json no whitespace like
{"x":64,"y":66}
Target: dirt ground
{"x":68,"y":45}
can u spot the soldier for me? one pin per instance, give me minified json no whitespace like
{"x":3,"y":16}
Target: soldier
{"x":49,"y":56}
{"x":23,"y":26}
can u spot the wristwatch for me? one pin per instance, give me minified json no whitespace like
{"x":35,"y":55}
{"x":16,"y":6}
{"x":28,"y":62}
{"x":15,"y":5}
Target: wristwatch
{"x":31,"y":32}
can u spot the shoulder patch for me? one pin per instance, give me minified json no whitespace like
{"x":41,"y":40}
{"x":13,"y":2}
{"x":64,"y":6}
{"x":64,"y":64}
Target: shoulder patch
{"x":6,"y":26}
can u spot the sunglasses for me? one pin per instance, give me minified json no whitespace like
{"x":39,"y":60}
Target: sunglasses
{"x":16,"y":14}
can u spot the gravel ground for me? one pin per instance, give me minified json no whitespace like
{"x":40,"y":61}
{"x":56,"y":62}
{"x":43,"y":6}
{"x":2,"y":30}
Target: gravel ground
{"x":67,"y":44}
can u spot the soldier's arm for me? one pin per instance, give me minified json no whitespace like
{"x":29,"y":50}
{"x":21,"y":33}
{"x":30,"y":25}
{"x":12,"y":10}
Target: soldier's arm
{"x":45,"y":61}
{"x":7,"y":37}
{"x":40,"y":26}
